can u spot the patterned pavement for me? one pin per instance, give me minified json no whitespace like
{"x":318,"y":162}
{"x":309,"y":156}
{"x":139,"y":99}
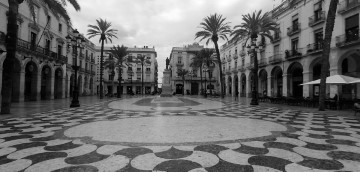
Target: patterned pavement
{"x":312,"y":142}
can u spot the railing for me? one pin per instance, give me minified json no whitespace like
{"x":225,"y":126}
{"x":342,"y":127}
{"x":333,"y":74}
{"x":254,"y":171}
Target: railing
{"x":262,"y":62}
{"x":293,"y":29}
{"x":49,"y":55}
{"x":314,"y":48}
{"x":290,"y":54}
{"x":235,"y":56}
{"x":249,"y":65}
{"x":347,"y":39}
{"x":242,"y":53}
{"x":345,"y":6}
{"x":276,"y":58}
{"x":241,"y":68}
{"x":317,"y":18}
{"x":276,"y":37}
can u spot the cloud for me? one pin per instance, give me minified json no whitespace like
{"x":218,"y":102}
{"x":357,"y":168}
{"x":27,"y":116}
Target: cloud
{"x":160,"y":23}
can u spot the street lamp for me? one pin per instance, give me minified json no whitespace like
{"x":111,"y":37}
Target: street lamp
{"x":253,"y":49}
{"x":76,"y":41}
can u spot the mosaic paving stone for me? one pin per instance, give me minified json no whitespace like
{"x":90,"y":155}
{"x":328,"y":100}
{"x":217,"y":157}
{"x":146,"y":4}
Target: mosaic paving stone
{"x":173,"y":153}
{"x":133,"y":152}
{"x":322,"y":164}
{"x":214,"y":149}
{"x":177,"y":165}
{"x":85,"y":159}
{"x":269,"y":161}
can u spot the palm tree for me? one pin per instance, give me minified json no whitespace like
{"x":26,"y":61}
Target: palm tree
{"x":11,"y":42}
{"x":197,"y":63}
{"x":142,"y":60}
{"x":330,"y":22}
{"x":209,"y":62}
{"x":214,"y":27}
{"x":106,"y":33}
{"x":120,"y":55}
{"x":183,"y":73}
{"x":253,"y":26}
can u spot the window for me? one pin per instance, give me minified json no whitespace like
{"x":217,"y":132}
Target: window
{"x":86,"y":66}
{"x":86,"y":53}
{"x":352,"y":28}
{"x":48,"y":24}
{"x":33,"y":40}
{"x":295,"y":22}
{"x":294,"y":44}
{"x":317,"y":10}
{"x":47,"y":47}
{"x":235,"y":63}
{"x":138,"y":77}
{"x":60,"y":27}
{"x":129,"y":68}
{"x":148,"y":69}
{"x":318,"y":39}
{"x":138,"y":69}
{"x":236,"y":50}
{"x":277,"y":49}
{"x":59,"y":50}
{"x":80,"y":64}
{"x":36,"y":13}
{"x":179,"y":59}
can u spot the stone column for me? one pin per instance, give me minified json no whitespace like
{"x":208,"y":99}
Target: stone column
{"x":285,"y":84}
{"x":22,"y":86}
{"x":307,"y":88}
{"x":269,"y":91}
{"x":248,"y":86}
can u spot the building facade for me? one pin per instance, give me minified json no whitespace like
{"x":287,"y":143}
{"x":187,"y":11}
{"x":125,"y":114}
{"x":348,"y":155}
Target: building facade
{"x":136,"y":78}
{"x":182,"y":58}
{"x":294,"y":55}
{"x":43,"y":58}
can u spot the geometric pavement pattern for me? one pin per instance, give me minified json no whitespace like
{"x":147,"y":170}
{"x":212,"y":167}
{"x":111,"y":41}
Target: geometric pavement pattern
{"x":317,"y":142}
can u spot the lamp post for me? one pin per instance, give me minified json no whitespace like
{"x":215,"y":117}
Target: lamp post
{"x":76,"y":41}
{"x":252,"y":49}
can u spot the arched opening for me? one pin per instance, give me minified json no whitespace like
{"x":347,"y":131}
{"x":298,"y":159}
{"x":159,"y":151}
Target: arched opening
{"x":243,"y":85}
{"x":91,"y":86}
{"x":58,"y":84}
{"x":229,"y":84}
{"x":263,"y":82}
{"x":31,"y":78}
{"x":45,"y":83}
{"x":236,"y":89}
{"x":72,"y":85}
{"x":80,"y":85}
{"x":276,"y":82}
{"x":295,"y":78}
{"x":86,"y":86}
{"x":15,"y":76}
{"x":179,"y":89}
{"x":350,"y":66}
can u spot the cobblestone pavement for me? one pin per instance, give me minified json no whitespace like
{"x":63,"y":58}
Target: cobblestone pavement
{"x":186,"y":134}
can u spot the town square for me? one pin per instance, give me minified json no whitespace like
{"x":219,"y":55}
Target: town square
{"x":179,"y":86}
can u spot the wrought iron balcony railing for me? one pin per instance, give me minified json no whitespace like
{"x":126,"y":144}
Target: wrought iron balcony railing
{"x":276,"y":37}
{"x":276,"y":58}
{"x":262,"y":62}
{"x":293,"y":29}
{"x":314,"y":48}
{"x":345,"y":6}
{"x":317,"y":18}
{"x":347,"y":40}
{"x":291,"y":54}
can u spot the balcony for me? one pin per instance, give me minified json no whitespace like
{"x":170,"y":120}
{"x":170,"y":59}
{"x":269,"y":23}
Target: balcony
{"x":235,"y":56}
{"x":346,"y":7}
{"x":39,"y":51}
{"x":317,"y":19}
{"x":249,"y":66}
{"x":82,"y":70}
{"x":262,"y":62}
{"x":347,"y":40}
{"x":242,"y":53}
{"x":93,"y":60}
{"x":241,"y":68}
{"x":314,"y":48}
{"x":276,"y":58}
{"x":276,"y":37}
{"x":293,"y":54}
{"x":179,"y":64}
{"x":292,"y":30}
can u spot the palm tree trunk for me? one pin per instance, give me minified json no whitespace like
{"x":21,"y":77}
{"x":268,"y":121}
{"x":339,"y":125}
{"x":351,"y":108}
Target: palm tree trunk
{"x":330,"y":22}
{"x":220,"y":69}
{"x":254,"y":92}
{"x":101,"y":68}
{"x":142,"y":78}
{"x":201,"y":81}
{"x":11,"y":43}
{"x":119,"y":90}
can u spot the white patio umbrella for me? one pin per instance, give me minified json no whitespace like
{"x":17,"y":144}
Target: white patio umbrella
{"x":336,"y":79}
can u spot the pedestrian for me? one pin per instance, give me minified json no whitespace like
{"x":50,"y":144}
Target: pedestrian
{"x":236,"y":95}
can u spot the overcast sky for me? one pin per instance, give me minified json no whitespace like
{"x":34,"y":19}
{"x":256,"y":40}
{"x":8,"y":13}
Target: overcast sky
{"x":160,"y":23}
